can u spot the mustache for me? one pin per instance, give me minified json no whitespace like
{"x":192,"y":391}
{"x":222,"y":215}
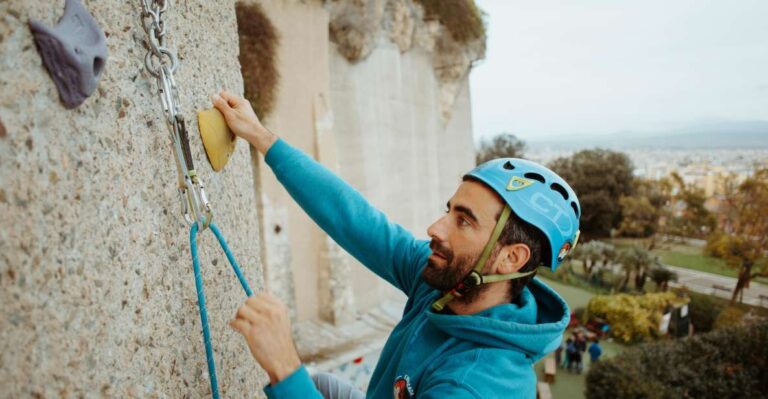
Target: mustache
{"x":440,"y":249}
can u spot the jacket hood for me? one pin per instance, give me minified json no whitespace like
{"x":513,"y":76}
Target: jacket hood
{"x":535,"y":327}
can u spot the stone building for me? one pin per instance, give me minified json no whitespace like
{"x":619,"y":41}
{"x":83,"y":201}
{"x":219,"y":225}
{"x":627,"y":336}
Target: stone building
{"x":95,"y":274}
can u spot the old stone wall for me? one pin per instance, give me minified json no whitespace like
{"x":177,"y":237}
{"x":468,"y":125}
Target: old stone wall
{"x":381,"y":96}
{"x":378,"y":94}
{"x":96,"y":283}
{"x":393,"y":145}
{"x":95,"y":272}
{"x":400,"y":95}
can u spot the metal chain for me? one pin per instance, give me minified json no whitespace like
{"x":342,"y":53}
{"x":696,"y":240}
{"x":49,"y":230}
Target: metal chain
{"x":162,"y":62}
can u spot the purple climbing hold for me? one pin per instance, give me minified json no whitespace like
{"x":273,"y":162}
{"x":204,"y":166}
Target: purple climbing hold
{"x":74,"y":52}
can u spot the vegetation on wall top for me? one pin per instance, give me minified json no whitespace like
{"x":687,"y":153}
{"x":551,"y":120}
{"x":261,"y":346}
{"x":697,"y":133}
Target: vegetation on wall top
{"x":258,"y":57}
{"x":462,"y":18}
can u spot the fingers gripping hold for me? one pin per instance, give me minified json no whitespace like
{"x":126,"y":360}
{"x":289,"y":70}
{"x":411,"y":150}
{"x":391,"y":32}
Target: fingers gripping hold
{"x":220,"y":103}
{"x":231,"y":99}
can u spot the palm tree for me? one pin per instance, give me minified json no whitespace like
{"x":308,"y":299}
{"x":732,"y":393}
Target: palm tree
{"x":662,"y":276}
{"x":636,"y":261}
{"x":589,"y":254}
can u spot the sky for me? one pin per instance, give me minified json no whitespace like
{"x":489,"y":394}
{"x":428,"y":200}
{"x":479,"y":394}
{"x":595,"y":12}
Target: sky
{"x":560,"y":69}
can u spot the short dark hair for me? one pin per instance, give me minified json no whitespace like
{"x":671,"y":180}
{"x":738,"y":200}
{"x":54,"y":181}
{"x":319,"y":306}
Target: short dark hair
{"x":518,"y":231}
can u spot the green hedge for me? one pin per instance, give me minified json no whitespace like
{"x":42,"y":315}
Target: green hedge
{"x":726,"y":363}
{"x":704,"y":310}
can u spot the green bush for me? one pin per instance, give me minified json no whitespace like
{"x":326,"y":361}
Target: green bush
{"x":704,"y":310}
{"x":633,"y":318}
{"x":730,"y":316}
{"x":728,"y":363}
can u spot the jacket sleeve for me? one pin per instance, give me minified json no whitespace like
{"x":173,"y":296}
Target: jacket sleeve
{"x":298,"y":385}
{"x":387,"y":249}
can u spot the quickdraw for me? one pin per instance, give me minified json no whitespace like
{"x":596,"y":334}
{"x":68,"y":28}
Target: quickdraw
{"x":162,"y":62}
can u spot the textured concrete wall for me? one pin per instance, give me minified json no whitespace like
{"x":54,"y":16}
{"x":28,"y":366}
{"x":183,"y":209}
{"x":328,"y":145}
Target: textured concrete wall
{"x":396,"y":128}
{"x":302,"y":58}
{"x":96,"y":284}
{"x":392,"y":144}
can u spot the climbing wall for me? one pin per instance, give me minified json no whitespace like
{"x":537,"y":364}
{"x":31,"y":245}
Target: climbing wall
{"x":96,"y":284}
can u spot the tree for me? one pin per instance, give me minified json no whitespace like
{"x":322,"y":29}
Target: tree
{"x":504,"y":145}
{"x":662,"y":276}
{"x":689,"y":216}
{"x":639,"y":218}
{"x":600,"y":178}
{"x":636,"y":261}
{"x":743,"y":237}
{"x":643,"y":213}
{"x":592,"y":252}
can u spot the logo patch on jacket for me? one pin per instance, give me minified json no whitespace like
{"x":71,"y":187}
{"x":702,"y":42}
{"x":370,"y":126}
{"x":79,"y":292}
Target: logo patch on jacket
{"x":403,"y":389}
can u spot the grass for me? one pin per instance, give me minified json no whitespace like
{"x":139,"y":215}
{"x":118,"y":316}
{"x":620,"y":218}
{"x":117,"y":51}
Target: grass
{"x":687,"y":256}
{"x":572,"y":385}
{"x":575,"y":297}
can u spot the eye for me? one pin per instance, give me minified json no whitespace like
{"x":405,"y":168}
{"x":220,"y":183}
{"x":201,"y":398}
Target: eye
{"x":463,"y":222}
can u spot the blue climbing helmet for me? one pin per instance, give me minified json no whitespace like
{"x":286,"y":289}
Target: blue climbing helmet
{"x":538,"y":196}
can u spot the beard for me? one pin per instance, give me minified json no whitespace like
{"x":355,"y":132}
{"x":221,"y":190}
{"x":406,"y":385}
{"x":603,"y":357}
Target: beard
{"x":454,"y":270}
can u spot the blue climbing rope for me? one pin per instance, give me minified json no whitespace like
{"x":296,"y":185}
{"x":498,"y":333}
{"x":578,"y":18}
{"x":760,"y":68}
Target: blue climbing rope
{"x":201,"y":296}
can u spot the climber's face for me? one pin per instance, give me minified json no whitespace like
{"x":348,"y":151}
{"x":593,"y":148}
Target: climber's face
{"x":459,"y":236}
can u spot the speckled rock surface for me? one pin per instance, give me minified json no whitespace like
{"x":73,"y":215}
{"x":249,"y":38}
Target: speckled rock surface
{"x":357,"y":28}
{"x":96,"y":284}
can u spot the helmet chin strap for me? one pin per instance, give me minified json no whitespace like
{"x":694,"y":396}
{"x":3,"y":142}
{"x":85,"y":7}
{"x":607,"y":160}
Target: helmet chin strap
{"x":475,"y":278}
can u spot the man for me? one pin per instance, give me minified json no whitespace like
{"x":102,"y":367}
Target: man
{"x":570,"y":349}
{"x":595,"y":351}
{"x":475,"y":320}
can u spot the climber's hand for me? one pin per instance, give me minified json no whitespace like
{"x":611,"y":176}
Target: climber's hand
{"x":243,"y":121}
{"x":263,"y":321}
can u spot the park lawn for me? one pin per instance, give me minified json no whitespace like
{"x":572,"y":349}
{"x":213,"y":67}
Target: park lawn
{"x":572,"y":385}
{"x":569,"y":385}
{"x":698,"y":262}
{"x":574,"y":297}
{"x":687,"y":256}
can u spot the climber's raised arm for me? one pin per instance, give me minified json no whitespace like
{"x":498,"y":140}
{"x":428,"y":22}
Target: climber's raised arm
{"x":384,"y":247}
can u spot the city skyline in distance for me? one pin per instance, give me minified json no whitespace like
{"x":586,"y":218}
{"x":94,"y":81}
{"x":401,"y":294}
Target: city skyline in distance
{"x":711,"y":135}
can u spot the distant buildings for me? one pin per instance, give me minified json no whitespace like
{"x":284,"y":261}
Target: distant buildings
{"x":712,"y":171}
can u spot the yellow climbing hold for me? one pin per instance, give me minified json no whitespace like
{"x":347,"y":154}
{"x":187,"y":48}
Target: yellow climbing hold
{"x":218,"y":141}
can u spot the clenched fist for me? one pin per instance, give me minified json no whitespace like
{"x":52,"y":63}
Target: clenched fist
{"x":263,"y":321}
{"x":242,"y":120}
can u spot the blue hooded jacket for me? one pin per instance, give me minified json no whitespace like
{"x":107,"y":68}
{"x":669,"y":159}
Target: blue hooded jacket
{"x":489,"y":354}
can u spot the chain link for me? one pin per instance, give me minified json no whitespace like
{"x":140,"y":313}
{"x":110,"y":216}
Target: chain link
{"x":162,"y":62}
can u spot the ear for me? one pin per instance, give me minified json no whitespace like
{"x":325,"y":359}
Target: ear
{"x":511,"y":258}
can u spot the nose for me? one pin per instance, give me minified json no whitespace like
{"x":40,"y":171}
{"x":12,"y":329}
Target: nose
{"x":437,"y":230}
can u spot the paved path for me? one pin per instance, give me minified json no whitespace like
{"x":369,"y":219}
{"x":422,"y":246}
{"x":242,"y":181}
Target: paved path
{"x":703,"y":282}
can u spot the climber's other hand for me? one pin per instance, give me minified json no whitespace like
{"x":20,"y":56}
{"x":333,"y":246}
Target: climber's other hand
{"x":264,"y":322}
{"x":242,"y":120}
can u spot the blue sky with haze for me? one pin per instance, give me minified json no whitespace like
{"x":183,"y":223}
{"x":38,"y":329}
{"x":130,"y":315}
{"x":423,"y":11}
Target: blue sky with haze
{"x":564,"y":68}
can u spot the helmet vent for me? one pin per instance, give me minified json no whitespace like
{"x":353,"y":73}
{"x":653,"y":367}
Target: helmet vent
{"x":557,"y":187}
{"x":508,"y":165}
{"x":575,"y":208}
{"x":535,"y":176}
